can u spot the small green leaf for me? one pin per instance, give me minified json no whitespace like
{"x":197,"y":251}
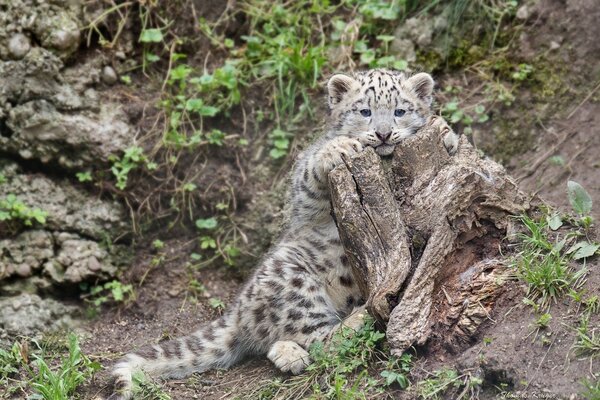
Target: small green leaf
{"x":208,"y":223}
{"x":84,"y":176}
{"x":151,"y":36}
{"x":208,"y":111}
{"x":554,"y":221}
{"x":586,"y":250}
{"x":152,"y":57}
{"x":579,"y":198}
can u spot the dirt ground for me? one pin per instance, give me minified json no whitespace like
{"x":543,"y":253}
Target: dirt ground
{"x":513,"y":356}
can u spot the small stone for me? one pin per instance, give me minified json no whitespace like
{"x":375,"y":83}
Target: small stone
{"x":19,"y":45}
{"x":109,"y":76}
{"x":120,"y":55}
{"x":23,"y":270}
{"x":523,"y":13}
{"x":554,"y":45}
{"x":65,"y":39}
{"x":174,"y":292}
{"x":93,"y":264}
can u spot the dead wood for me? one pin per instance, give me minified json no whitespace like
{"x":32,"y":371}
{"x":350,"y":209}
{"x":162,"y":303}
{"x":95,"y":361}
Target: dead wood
{"x":422,"y":234}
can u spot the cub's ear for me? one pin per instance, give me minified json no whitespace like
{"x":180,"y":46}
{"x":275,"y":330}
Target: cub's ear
{"x":337,"y":87}
{"x":421,"y":85}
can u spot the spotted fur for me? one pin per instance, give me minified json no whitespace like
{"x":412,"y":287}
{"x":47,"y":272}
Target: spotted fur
{"x":304,"y":287}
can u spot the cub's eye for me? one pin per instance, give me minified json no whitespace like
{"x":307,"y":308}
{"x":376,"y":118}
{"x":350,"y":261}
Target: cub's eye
{"x":365,"y":112}
{"x":399,"y":113}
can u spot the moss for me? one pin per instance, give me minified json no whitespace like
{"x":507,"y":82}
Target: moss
{"x":547,"y":81}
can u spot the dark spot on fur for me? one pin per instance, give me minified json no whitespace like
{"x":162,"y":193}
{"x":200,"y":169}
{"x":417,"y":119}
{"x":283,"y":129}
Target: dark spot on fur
{"x":290,"y":329}
{"x":311,"y":328}
{"x":194,"y":344}
{"x":148,"y":352}
{"x":274,"y":318}
{"x":259,"y":314}
{"x":350,"y":301}
{"x":346,"y":281}
{"x":294,"y":296}
{"x":172,"y":349}
{"x":219,"y":353}
{"x":209,"y":333}
{"x":312,"y":288}
{"x":294,"y":315}
{"x":305,"y":303}
{"x":277,"y":287}
{"x":275,"y":301}
{"x":344,"y":260}
{"x":316,"y":315}
{"x":321,"y":299}
{"x":297,"y":282}
{"x":263,"y":331}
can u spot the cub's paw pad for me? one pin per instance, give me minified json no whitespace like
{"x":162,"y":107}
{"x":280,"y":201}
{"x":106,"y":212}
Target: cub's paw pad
{"x":288,"y":356}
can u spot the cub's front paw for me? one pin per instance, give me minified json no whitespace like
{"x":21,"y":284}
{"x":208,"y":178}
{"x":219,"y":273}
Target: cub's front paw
{"x":288,"y":356}
{"x":333,"y":152}
{"x":450,"y":138}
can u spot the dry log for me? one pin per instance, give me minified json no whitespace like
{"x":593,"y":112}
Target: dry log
{"x":424,"y":233}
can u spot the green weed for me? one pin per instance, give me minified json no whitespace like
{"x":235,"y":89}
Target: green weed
{"x":447,"y":379}
{"x":13,"y":209}
{"x":60,"y":383}
{"x":545,"y":259}
{"x":113,"y":291}
{"x":587,"y":342}
{"x":592,"y":389}
{"x":132,"y":158}
{"x":145,"y":388}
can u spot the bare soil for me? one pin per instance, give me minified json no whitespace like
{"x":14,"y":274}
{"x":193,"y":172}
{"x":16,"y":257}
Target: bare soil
{"x":513,"y":355}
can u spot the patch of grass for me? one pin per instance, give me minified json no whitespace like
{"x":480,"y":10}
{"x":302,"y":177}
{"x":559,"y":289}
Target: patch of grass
{"x":592,"y":389}
{"x":587,"y":341}
{"x":542,"y":265}
{"x":446,"y":379}
{"x":545,"y":261}
{"x":145,"y":388}
{"x":60,"y":382}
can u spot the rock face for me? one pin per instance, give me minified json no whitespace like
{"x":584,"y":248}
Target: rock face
{"x":68,"y":248}
{"x":55,"y":121}
{"x":28,"y":315}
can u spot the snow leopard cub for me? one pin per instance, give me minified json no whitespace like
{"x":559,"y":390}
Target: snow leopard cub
{"x":303,"y":288}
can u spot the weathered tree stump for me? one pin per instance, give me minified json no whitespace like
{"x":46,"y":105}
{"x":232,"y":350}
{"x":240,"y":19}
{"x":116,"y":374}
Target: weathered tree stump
{"x":422,"y":235}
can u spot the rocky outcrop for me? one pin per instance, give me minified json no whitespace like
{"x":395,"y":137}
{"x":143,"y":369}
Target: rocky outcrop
{"x":55,"y":120}
{"x":28,"y":315}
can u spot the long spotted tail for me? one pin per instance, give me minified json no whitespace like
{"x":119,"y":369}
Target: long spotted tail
{"x":213,"y":346}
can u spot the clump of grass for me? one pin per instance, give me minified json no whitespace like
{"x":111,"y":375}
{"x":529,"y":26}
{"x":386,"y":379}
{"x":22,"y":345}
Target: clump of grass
{"x":592,"y":389}
{"x":542,"y":265}
{"x":545,"y":260}
{"x":146,"y":389}
{"x":446,"y":379}
{"x":59,"y":383}
{"x":587,"y":340}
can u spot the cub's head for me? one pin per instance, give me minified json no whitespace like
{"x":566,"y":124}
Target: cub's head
{"x":379,"y":107}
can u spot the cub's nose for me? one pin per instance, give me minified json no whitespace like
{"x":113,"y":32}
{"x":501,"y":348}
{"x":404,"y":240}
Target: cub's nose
{"x":383,"y":136}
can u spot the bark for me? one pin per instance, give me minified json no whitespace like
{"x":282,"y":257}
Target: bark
{"x":424,"y":232}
